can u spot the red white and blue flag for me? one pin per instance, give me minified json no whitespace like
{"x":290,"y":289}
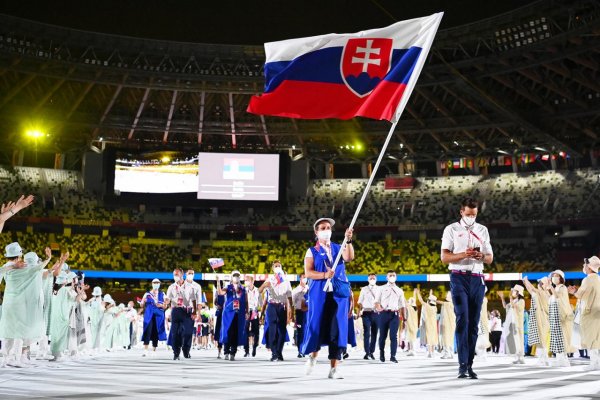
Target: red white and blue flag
{"x":216,"y":262}
{"x":370,"y":73}
{"x":238,"y":168}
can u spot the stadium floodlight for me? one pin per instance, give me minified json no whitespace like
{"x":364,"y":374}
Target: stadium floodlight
{"x":165,"y":159}
{"x":35,"y":133}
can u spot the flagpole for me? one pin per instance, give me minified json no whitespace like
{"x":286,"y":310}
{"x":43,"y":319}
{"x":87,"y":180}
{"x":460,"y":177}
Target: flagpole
{"x":432,"y":30}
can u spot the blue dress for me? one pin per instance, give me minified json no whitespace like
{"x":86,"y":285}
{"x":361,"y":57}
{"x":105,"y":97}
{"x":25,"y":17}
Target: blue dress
{"x":219,"y":303}
{"x":313,"y":337}
{"x":151,"y":310}
{"x":229,"y":314}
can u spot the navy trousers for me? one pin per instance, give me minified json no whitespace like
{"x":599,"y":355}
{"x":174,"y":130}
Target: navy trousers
{"x":277,"y":317}
{"x":182,"y":329}
{"x":467,"y":296}
{"x":388,"y":322}
{"x":370,"y":326}
{"x":300,"y":320}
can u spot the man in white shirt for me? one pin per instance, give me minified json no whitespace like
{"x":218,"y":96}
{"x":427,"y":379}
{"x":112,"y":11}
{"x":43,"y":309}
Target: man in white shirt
{"x":391,"y":305}
{"x":182,"y":296}
{"x":366,"y":309}
{"x":299,"y":295}
{"x":252,"y":326}
{"x":466,"y":248}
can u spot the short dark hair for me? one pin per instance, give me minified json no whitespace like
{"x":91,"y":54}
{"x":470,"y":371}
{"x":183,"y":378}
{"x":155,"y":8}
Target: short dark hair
{"x":390,"y":271}
{"x":372,"y":274}
{"x":469,"y":202}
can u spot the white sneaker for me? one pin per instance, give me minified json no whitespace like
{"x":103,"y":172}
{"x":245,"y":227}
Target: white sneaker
{"x":309,"y":365}
{"x":334,"y":374}
{"x":446,"y":356}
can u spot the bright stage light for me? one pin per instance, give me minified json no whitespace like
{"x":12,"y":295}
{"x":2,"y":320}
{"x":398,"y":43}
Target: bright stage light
{"x":35,"y":133}
{"x":165,"y":159}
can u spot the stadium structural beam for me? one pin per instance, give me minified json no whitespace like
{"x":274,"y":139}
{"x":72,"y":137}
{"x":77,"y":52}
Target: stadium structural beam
{"x":264,"y":127}
{"x":15,"y":90}
{"x":110,"y":105}
{"x":170,"y":117}
{"x":420,"y":121}
{"x":139,"y":113}
{"x":51,"y":91}
{"x":232,"y":120}
{"x":201,"y":116}
{"x":79,"y":99}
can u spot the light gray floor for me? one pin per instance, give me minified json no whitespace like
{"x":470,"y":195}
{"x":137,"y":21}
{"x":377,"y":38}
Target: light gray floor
{"x":127,"y":375}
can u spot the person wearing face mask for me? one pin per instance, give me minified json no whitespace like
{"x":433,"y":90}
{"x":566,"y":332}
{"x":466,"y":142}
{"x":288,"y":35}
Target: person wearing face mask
{"x":412,"y":325}
{"x":447,"y":326}
{"x":327,"y":318}
{"x":561,"y":319}
{"x":63,"y":326}
{"x":252,"y":327}
{"x":96,"y":312}
{"x":466,"y":248}
{"x":233,"y":332}
{"x":514,"y":329}
{"x":366,"y":309}
{"x":183,"y":298}
{"x":22,"y":321}
{"x":429,"y":318}
{"x":153,"y":304}
{"x":589,"y":296}
{"x":299,"y":296}
{"x":391,"y":305}
{"x":279,"y":309}
{"x":539,"y":324}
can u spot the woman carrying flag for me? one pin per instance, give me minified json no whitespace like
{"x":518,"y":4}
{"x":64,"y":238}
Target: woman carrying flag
{"x":327,"y":317}
{"x":153,"y":304}
{"x":279,"y":310}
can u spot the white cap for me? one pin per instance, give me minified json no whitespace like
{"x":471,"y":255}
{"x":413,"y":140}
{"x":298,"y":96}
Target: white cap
{"x":594,"y":263}
{"x":122,"y":306}
{"x":61,"y":278}
{"x":31,"y":258}
{"x":520,"y":289}
{"x":108,"y":299}
{"x":97,"y":291}
{"x":558,"y":272}
{"x":13,"y":250}
{"x":432,"y":298}
{"x":71,"y":275}
{"x":235,"y":272}
{"x":331,"y":222}
{"x":155,"y":280}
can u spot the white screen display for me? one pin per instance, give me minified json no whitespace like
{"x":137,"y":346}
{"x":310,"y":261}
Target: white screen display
{"x":145,"y":175}
{"x":228,"y":176}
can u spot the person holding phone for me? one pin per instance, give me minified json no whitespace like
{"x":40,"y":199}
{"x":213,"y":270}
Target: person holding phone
{"x":466,"y":248}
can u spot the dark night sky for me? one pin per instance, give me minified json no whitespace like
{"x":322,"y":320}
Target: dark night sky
{"x":245,"y":22}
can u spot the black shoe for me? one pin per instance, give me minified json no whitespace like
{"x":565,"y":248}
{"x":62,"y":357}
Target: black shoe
{"x":246,"y":354}
{"x":462,"y":371}
{"x":254,"y":352}
{"x":345,"y":356}
{"x":471,"y":373}
{"x":175,"y":358}
{"x":273,"y":358}
{"x":280,"y":358}
{"x":381,"y":357}
{"x":393,"y":359}
{"x":300,"y":355}
{"x":371,"y":356}
{"x":366,"y":357}
{"x":187,"y":355}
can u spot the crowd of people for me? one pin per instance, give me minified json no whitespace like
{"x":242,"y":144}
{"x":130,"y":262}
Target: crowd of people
{"x":50,"y":313}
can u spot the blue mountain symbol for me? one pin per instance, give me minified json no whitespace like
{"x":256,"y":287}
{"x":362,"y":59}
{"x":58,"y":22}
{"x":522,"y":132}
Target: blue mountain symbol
{"x":363,"y":83}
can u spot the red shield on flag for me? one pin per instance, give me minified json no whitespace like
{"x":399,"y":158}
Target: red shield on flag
{"x":365,"y":62}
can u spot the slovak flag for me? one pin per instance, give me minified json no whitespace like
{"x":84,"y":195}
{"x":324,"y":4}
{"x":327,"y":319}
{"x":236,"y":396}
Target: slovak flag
{"x":279,"y":278}
{"x":216,"y":262}
{"x":370,"y":73}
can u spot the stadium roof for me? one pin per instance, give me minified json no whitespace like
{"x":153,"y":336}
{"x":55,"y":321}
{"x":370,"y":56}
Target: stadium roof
{"x":519,"y":82}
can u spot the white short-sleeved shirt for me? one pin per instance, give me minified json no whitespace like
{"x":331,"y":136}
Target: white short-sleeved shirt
{"x":390,"y":297}
{"x":457,"y":238}
{"x":253,"y":296}
{"x":367,"y":297}
{"x":298,"y":296}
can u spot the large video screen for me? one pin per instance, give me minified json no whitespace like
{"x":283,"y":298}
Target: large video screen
{"x":229,"y":176}
{"x":155,"y":173}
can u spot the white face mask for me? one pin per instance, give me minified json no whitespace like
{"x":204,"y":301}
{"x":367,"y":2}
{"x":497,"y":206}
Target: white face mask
{"x":324,"y":235}
{"x":372,"y":282}
{"x":277,"y":270}
{"x":155,"y":286}
{"x":189,"y":277}
{"x":176,"y":278}
{"x":556,"y":280}
{"x":391,"y":279}
{"x":469,"y":220}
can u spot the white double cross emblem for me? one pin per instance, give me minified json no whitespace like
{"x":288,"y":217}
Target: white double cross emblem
{"x":366,"y":60}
